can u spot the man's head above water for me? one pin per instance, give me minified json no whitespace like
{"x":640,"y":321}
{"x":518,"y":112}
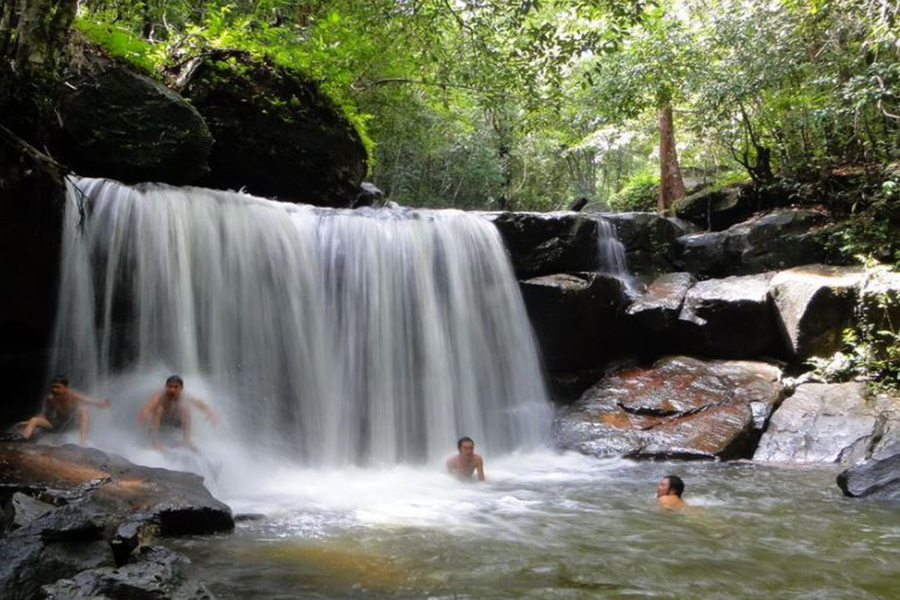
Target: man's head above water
{"x":466,"y":446}
{"x":59,"y":385}
{"x":670,"y":485}
{"x":174,"y":385}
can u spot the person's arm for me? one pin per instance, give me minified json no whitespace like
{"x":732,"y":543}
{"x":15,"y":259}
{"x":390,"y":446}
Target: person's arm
{"x":148,"y":409}
{"x":479,"y":466}
{"x":155,"y":419}
{"x":207,"y":411}
{"x":106,"y":403}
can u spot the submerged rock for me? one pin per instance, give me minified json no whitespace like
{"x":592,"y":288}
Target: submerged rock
{"x":119,"y":124}
{"x":877,"y":478}
{"x":157,"y":573}
{"x":276,"y":133}
{"x":813,"y":305}
{"x":831,"y":423}
{"x":681,"y":407}
{"x":574,"y":316}
{"x":546,"y":243}
{"x":729,"y":317}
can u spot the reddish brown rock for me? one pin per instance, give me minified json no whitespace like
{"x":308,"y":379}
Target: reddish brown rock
{"x":681,"y":407}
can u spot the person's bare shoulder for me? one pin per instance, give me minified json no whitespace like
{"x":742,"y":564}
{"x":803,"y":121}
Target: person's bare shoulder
{"x":671,"y":502}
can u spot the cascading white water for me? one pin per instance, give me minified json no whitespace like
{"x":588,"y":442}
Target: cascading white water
{"x":611,"y":257}
{"x":328,"y":336}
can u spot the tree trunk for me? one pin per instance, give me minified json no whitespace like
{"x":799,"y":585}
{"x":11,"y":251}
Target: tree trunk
{"x":671,"y":184}
{"x":42,"y":31}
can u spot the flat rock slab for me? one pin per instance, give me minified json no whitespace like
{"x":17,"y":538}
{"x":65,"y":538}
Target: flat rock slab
{"x":681,"y":407}
{"x":828,"y":423}
{"x":813,"y":305}
{"x":728,"y":318}
{"x":658,"y":308}
{"x":177,"y":500}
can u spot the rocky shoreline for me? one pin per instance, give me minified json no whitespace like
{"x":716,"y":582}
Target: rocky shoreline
{"x":77,"y":522}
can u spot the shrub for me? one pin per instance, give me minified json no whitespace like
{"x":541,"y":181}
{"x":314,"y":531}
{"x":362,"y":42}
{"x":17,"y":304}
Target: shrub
{"x":640,"y":193}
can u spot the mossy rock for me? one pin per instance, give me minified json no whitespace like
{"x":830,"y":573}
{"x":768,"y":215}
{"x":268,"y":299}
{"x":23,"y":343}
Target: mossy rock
{"x":276,"y":133}
{"x":119,"y":124}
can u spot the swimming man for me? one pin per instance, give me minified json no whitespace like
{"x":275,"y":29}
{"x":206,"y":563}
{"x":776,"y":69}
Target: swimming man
{"x":466,"y":462}
{"x":63,"y":407}
{"x":171,"y":408}
{"x":669,"y":491}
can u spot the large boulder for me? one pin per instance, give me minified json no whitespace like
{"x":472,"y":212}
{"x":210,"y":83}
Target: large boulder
{"x":681,"y":407}
{"x":776,"y":240}
{"x":276,"y":133}
{"x":829,"y":423}
{"x":715,"y":209}
{"x":123,"y":125}
{"x":574,"y":316}
{"x":177,"y":502}
{"x":728,"y":318}
{"x":32,"y":206}
{"x":547,"y":243}
{"x":157,"y":573}
{"x":813,"y":305}
{"x":658,"y":308}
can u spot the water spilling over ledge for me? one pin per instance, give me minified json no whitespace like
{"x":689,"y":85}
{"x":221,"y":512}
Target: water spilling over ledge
{"x":325,"y":336}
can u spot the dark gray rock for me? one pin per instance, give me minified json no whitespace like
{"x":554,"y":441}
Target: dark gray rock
{"x":574,"y":316}
{"x":776,"y":240}
{"x":156,"y":574}
{"x":681,"y":407}
{"x":21,"y":510}
{"x":813,"y":305}
{"x":122,"y":125}
{"x":715,"y":209}
{"x":546,"y":243}
{"x":276,"y":133}
{"x":728,"y":318}
{"x":877,"y":478}
{"x":658,"y":308}
{"x":32,"y":202}
{"x":369,"y":195}
{"x":830,"y":423}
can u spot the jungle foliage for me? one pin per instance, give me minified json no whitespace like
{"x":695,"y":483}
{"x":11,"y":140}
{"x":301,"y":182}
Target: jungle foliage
{"x":528,"y":104}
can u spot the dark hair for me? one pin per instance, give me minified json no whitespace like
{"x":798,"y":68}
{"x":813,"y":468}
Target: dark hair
{"x":175,"y":379}
{"x":465,"y":438}
{"x":676,"y":484}
{"x":60,"y":379}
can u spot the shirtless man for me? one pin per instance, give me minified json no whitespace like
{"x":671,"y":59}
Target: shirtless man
{"x":464,"y":464}
{"x":172,"y":408}
{"x":668,"y":493}
{"x":62,"y":408}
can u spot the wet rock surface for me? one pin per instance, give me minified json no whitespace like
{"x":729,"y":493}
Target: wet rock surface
{"x":157,"y":573}
{"x":877,"y":478}
{"x":829,"y":423}
{"x":649,"y":239}
{"x":123,"y":125}
{"x":658,"y":308}
{"x":574,"y":316}
{"x":681,"y":407}
{"x":715,"y":209}
{"x":728,"y":318}
{"x":813,"y":305}
{"x":275,"y":132}
{"x":89,"y":510}
{"x":547,"y":243}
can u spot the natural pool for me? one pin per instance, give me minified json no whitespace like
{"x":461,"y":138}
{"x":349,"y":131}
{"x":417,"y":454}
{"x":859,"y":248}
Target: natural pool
{"x":553,"y":526}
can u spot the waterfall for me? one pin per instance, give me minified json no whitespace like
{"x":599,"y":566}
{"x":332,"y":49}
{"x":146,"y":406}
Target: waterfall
{"x":611,"y":257}
{"x":328,"y":336}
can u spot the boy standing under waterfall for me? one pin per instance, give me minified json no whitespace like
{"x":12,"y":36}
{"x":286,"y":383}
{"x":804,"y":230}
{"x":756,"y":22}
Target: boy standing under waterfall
{"x":171,"y":408}
{"x":464,"y":464}
{"x":63,"y":407}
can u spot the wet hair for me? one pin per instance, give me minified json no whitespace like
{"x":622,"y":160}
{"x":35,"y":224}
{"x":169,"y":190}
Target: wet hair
{"x":676,"y":484}
{"x":175,"y":379}
{"x":463,"y":439}
{"x":61,"y":380}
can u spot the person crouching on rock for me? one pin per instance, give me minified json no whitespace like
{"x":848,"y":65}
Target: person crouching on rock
{"x":669,"y":491}
{"x":466,"y":462}
{"x":171,"y":409}
{"x":63,"y":407}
